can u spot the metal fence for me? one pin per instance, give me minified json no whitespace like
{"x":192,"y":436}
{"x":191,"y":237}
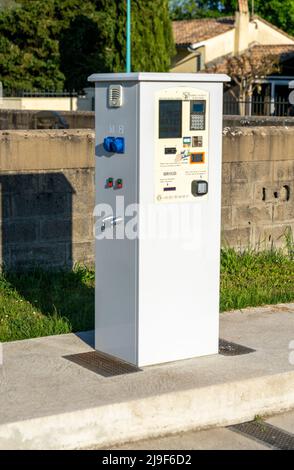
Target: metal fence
{"x":258,"y":106}
{"x":39,"y":93}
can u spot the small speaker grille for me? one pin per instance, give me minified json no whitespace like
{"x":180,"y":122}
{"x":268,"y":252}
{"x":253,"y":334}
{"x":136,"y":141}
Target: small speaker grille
{"x":115,"y":96}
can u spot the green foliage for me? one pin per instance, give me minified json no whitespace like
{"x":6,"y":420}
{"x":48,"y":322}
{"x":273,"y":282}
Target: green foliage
{"x":7,"y":4}
{"x":57,"y":43}
{"x":252,"y":278}
{"x":43,"y":303}
{"x":29,"y":52}
{"x":278,"y":12}
{"x":187,"y":9}
{"x":84,"y":36}
{"x":152,"y":39}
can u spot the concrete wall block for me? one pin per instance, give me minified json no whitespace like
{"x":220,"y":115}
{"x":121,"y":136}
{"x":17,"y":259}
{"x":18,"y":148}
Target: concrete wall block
{"x":83,"y":202}
{"x":82,"y":228}
{"x":262,"y":192}
{"x":226,"y":194}
{"x":262,"y":144}
{"x":281,"y":144}
{"x":11,"y":183}
{"x":77,"y":229}
{"x":238,"y":238}
{"x":43,"y":255}
{"x":54,"y":182}
{"x":250,"y":215}
{"x":249,"y":172}
{"x":81,"y":179}
{"x":26,"y":119}
{"x":241,"y":192}
{"x":226,"y":219}
{"x":275,"y":193}
{"x":18,"y":232}
{"x":5,"y":206}
{"x":284,"y":212}
{"x":226,"y":173}
{"x":284,"y":170}
{"x":83,"y":252}
{"x":46,"y":150}
{"x":238,"y":145}
{"x":236,"y":193}
{"x":40,"y":204}
{"x":273,"y":236}
{"x":270,"y":143}
{"x":56,"y":229}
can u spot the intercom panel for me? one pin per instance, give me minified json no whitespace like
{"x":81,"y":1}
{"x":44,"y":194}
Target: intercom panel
{"x":181,"y":145}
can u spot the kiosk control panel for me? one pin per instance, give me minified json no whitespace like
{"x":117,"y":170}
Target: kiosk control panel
{"x":182,"y":153}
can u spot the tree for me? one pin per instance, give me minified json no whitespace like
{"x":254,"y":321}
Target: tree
{"x":278,"y":12}
{"x":86,"y":36}
{"x":96,"y":42}
{"x":152,"y":38}
{"x":246,"y":71}
{"x":7,"y":3}
{"x":29,"y":53}
{"x":58,"y":43}
{"x":188,"y":9}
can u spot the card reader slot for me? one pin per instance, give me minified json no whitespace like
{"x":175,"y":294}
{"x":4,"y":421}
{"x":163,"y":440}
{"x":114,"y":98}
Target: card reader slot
{"x":170,"y":150}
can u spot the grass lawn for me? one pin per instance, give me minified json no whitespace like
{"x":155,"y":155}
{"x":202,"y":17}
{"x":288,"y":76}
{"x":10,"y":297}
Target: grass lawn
{"x":46,"y":303}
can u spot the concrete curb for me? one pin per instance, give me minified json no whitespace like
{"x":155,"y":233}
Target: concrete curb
{"x":197,"y":408}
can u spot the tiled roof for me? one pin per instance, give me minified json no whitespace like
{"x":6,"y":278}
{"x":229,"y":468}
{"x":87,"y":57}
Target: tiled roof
{"x":192,"y":31}
{"x":257,"y":52}
{"x":282,"y":50}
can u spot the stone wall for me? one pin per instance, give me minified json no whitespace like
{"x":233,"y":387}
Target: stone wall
{"x":258,"y":186}
{"x":254,"y":121}
{"x":12,"y":119}
{"x":26,"y":119}
{"x":47,"y":198}
{"x":47,"y":193}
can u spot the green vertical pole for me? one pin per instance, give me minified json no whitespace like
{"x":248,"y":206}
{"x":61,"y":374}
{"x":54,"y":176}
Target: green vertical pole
{"x":128,"y":57}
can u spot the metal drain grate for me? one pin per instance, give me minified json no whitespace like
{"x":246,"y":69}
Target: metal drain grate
{"x":266,"y":433}
{"x":226,"y":348}
{"x":102,"y":363}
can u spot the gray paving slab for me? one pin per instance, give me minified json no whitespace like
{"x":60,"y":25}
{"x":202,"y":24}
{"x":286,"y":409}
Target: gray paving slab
{"x":212,"y":439}
{"x":283,"y":421}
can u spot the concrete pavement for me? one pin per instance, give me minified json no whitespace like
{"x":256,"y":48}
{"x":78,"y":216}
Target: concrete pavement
{"x":283,"y":421}
{"x":48,"y":402}
{"x":210,"y":439}
{"x":213,"y":439}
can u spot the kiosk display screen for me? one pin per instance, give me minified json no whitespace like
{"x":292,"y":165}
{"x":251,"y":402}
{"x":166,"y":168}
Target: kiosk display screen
{"x":170,"y":119}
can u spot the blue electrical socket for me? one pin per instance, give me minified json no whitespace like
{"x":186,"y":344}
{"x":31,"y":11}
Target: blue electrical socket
{"x":114,"y":144}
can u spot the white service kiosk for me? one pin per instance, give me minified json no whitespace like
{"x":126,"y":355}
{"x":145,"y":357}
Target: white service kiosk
{"x":158,"y":204}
